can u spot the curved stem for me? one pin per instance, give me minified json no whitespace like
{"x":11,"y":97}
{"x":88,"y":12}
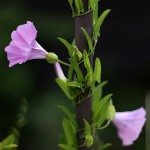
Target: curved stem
{"x":64,"y":63}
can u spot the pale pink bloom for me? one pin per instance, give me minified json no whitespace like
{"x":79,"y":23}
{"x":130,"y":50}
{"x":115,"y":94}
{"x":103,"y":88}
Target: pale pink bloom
{"x":129,"y":125}
{"x":24,"y":46}
{"x":59,"y":71}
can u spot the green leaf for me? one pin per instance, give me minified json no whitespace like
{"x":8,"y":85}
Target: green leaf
{"x":71,"y":5}
{"x":97,"y":70}
{"x":75,"y":84}
{"x":68,"y":45}
{"x":75,"y":66}
{"x":87,"y":128}
{"x":97,"y":93}
{"x":100,"y":105}
{"x":103,"y":114}
{"x":88,"y":134}
{"x":104,"y":146}
{"x":88,"y":67}
{"x":88,"y":40}
{"x":98,"y":24}
{"x":91,"y":4}
{"x":77,"y":6}
{"x":81,"y":6}
{"x":70,"y":73}
{"x":10,"y":146}
{"x":63,"y":85}
{"x":70,"y":133}
{"x":1,"y":148}
{"x":95,"y":12}
{"x":9,"y":140}
{"x":67,"y":147}
{"x":69,"y":114}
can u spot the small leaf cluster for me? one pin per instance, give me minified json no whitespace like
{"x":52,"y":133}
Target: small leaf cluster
{"x":8,"y":143}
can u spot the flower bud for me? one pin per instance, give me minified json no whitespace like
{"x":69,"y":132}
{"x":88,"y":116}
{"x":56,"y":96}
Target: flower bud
{"x":51,"y":57}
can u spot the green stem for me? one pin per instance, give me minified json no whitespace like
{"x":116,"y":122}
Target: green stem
{"x":64,"y":63}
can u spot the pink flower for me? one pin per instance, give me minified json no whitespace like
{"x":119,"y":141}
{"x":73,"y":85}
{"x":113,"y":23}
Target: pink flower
{"x":59,"y":71}
{"x":23,"y":46}
{"x":129,"y":125}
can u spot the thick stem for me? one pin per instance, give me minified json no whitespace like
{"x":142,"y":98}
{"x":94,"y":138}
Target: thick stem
{"x":84,"y":109}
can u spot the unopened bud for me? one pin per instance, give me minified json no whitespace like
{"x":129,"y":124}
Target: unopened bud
{"x":51,"y":57}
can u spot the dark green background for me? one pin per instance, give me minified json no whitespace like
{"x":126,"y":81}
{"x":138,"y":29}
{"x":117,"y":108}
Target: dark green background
{"x":125,"y":55}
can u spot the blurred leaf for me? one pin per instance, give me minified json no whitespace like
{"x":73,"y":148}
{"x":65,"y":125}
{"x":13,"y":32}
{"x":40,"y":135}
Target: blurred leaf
{"x":104,"y":146}
{"x":71,"y":5}
{"x":64,"y":87}
{"x":67,"y":147}
{"x":70,"y":133}
{"x":97,"y":70}
{"x":69,"y":114}
{"x":9,"y":140}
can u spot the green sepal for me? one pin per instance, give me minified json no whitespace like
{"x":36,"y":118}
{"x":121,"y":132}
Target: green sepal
{"x":77,"y":54}
{"x":63,"y":85}
{"x":51,"y":57}
{"x":67,"y":147}
{"x":97,"y":70}
{"x":98,"y":24}
{"x":97,"y":93}
{"x":70,"y":132}
{"x":88,"y":40}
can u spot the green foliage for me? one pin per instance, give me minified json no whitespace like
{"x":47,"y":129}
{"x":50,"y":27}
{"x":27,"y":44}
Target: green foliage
{"x":100,"y":110}
{"x":88,"y":40}
{"x":97,"y":93}
{"x":68,"y":46}
{"x":77,"y":69}
{"x":98,"y":24}
{"x":69,"y":115}
{"x":67,"y":147}
{"x":89,"y":76}
{"x":97,"y":70}
{"x":79,"y":6}
{"x":63,"y":85}
{"x":104,"y":146}
{"x":70,"y":133}
{"x":95,"y":12}
{"x":71,"y":5}
{"x":111,"y":112}
{"x":88,"y":134}
{"x":8,"y":143}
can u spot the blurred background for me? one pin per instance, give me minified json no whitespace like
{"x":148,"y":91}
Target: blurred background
{"x":124,"y":51}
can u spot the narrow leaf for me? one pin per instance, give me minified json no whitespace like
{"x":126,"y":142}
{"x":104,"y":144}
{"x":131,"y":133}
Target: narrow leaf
{"x":88,"y":40}
{"x":87,"y":128}
{"x":95,"y":11}
{"x":97,"y":93}
{"x":10,"y":146}
{"x":74,"y":84}
{"x":77,"y":4}
{"x":91,"y":4}
{"x":104,"y":146}
{"x":81,"y":6}
{"x":70,"y":73}
{"x":63,"y":85}
{"x":101,"y":103}
{"x":98,"y":24}
{"x":9,"y":140}
{"x":71,"y":5}
{"x":68,"y":45}
{"x":97,"y":70}
{"x":69,"y":132}
{"x":75,"y":66}
{"x":69,"y":114}
{"x":67,"y":147}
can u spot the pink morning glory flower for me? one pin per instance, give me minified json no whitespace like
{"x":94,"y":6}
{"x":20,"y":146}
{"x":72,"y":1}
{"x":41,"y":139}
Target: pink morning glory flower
{"x":59,"y":71}
{"x":24,"y":46}
{"x":129,"y":125}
